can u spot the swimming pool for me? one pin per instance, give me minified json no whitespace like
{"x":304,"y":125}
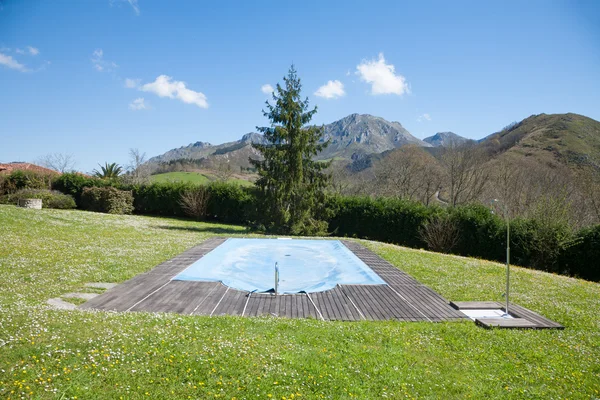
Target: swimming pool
{"x":305,"y":265}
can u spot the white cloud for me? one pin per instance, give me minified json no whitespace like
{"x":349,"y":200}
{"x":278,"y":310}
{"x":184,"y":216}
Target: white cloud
{"x":382,"y":77}
{"x":132,"y":3}
{"x":331,"y":90}
{"x":33,"y":51}
{"x":11,"y":63}
{"x":138,"y":104}
{"x":132,"y":83}
{"x":424,"y":117}
{"x":267,"y":89}
{"x":165,"y":86}
{"x":100,"y":64}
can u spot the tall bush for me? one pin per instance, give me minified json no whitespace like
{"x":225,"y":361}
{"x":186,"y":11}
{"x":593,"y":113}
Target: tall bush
{"x":107,"y":199}
{"x":194,"y":202}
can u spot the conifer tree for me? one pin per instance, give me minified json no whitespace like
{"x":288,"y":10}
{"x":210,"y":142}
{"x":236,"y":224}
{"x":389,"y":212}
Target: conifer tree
{"x":291,"y":182}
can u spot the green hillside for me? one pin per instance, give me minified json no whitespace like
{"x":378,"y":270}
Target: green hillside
{"x":194,"y":177}
{"x":568,"y":139}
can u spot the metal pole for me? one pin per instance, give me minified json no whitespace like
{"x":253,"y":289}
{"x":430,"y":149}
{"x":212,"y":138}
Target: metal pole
{"x":276,"y":278}
{"x":507,"y":257}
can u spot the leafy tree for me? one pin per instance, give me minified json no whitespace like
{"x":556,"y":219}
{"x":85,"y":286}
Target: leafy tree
{"x":291,"y":182}
{"x":108,"y":171}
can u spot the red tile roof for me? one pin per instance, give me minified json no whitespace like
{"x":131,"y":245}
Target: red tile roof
{"x":22,"y":166}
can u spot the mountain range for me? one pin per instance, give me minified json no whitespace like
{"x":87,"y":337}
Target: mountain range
{"x":550,"y":138}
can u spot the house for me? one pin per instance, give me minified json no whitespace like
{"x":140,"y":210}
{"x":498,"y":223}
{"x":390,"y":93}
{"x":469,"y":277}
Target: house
{"x":24,"y":166}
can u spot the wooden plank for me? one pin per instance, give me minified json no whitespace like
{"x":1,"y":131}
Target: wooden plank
{"x":520,"y":323}
{"x":430,"y":303}
{"x":367,"y":304}
{"x":177,"y":297}
{"x":475,"y":305}
{"x":127,"y":294}
{"x":208,"y":304}
{"x":542,"y":322}
{"x":232,"y":303}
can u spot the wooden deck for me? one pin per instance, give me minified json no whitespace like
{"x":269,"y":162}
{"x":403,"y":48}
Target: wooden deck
{"x":522,"y":317}
{"x":402,"y":299}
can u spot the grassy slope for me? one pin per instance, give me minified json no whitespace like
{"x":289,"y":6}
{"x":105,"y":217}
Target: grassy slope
{"x":63,"y":354}
{"x":555,"y":138}
{"x":193,"y":177}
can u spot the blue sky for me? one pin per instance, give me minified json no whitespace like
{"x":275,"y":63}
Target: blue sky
{"x":95,"y":78}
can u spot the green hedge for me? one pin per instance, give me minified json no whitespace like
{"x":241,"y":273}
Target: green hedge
{"x":387,"y":220}
{"x":107,"y":199}
{"x":583,"y":258}
{"x":160,"y":198}
{"x":50,"y":198}
{"x":73,"y":184}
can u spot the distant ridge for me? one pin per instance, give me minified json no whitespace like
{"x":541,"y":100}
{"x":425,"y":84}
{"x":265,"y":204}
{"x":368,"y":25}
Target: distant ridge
{"x":354,"y":135}
{"x":444,"y":139}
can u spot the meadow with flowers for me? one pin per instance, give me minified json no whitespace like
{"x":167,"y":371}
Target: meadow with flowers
{"x":47,"y":353}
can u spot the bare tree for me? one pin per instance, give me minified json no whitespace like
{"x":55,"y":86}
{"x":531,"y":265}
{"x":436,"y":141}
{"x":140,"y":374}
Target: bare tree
{"x":408,"y":172}
{"x":61,"y":162}
{"x":341,"y":178}
{"x":466,"y":175}
{"x":223,"y":171}
{"x":138,"y":171}
{"x":588,"y":181}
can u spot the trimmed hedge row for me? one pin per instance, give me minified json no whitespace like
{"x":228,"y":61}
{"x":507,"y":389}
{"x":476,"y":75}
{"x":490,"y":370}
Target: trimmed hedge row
{"x":228,"y":203}
{"x":481,"y":233}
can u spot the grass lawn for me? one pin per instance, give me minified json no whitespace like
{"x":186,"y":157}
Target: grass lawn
{"x":46,"y":353}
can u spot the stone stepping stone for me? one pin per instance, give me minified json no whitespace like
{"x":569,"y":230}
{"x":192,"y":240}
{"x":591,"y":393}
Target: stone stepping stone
{"x":61,"y":304}
{"x":84,"y":296}
{"x":101,"y":285}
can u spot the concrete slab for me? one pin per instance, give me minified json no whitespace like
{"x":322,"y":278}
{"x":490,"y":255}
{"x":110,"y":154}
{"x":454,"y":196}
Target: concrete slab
{"x":61,"y":304}
{"x":101,"y":285}
{"x":84,"y":296}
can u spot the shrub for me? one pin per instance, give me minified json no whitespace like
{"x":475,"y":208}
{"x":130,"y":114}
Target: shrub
{"x":582,"y":258}
{"x":73,"y":184}
{"x":50,"y":198}
{"x":18,"y":180}
{"x":107,"y":199}
{"x":440,"y":232}
{"x":194,"y":202}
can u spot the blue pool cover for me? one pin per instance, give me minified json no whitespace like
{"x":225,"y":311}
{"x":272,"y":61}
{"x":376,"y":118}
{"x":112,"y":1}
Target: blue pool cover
{"x":304,"y":265}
